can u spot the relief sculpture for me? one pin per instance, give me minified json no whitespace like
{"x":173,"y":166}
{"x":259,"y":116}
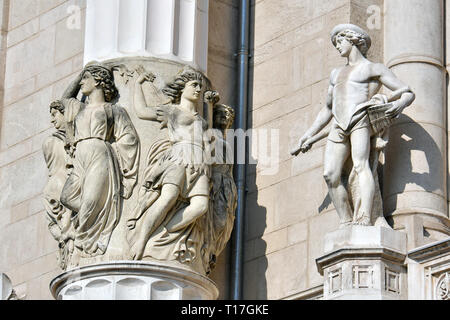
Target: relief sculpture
{"x":168,"y":222}
{"x":183,"y":208}
{"x":103,"y":148}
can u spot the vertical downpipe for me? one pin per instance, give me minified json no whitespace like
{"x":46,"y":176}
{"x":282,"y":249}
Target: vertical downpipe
{"x":240,"y":168}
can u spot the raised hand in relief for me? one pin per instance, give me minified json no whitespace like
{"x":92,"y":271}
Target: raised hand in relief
{"x":211,"y":97}
{"x":147,"y":76}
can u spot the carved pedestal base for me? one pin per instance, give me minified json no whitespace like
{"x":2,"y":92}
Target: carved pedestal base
{"x":364,"y":263}
{"x":132,"y":281}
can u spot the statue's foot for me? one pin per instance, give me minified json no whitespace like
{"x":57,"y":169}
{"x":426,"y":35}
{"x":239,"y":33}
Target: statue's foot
{"x":363,"y":221}
{"x":381,"y":222}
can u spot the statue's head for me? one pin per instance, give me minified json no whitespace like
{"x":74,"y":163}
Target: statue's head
{"x":345,"y":36}
{"x":57,"y":114}
{"x":223,"y":117}
{"x":97,"y":76}
{"x":187,"y":84}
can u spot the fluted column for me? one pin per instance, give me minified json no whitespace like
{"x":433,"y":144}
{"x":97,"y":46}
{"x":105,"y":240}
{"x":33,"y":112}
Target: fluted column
{"x":415,"y":183}
{"x":170,"y":29}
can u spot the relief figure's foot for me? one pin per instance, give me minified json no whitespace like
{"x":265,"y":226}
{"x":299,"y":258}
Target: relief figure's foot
{"x":136,"y":251}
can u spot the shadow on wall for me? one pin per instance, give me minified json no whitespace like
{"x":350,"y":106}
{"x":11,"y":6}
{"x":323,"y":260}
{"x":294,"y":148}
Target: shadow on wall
{"x":255,"y":268}
{"x":413,"y":143}
{"x":255,"y":260}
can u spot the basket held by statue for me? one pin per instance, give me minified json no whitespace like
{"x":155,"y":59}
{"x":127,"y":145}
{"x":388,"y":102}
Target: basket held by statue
{"x":377,"y":117}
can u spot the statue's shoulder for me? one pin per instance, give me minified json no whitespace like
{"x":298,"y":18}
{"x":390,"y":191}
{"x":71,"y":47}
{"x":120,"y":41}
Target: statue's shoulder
{"x":376,"y":68}
{"x":335,"y":73}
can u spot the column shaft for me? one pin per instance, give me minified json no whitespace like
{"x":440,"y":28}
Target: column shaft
{"x":415,"y":180}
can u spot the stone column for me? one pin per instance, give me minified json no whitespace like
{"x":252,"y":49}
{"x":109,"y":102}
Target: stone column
{"x":176,"y":30}
{"x":415,"y":183}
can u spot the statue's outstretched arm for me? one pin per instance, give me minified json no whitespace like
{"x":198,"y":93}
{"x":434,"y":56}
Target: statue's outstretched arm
{"x":312,"y":135}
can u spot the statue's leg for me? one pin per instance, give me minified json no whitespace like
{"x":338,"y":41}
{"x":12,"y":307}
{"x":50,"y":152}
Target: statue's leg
{"x":197,"y":207}
{"x":71,"y":192}
{"x":360,"y":140}
{"x":153,"y":218}
{"x":335,"y":156}
{"x":146,"y":198}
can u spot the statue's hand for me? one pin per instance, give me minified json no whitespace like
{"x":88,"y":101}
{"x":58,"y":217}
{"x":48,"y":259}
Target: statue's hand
{"x":146,"y":76}
{"x":395,"y":110}
{"x":302,"y":146}
{"x":211,"y":97}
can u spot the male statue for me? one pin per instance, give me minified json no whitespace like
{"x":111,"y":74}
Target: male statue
{"x":352,"y":92}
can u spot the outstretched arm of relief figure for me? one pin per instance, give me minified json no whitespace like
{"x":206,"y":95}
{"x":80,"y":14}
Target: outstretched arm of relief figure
{"x":144,"y":109}
{"x":312,"y":135}
{"x":73,"y":88}
{"x":402,"y":95}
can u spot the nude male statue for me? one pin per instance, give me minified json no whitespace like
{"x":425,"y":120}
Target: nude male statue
{"x":351,"y":89}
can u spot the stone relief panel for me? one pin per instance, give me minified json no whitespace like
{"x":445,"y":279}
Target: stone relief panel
{"x":359,"y":119}
{"x":443,"y":287}
{"x":105,"y":201}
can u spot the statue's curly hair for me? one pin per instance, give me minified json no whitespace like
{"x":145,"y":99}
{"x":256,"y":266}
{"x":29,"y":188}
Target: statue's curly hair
{"x":357,"y":39}
{"x":174,"y":89}
{"x":58,"y":105}
{"x":229,"y":113}
{"x":105,"y":79}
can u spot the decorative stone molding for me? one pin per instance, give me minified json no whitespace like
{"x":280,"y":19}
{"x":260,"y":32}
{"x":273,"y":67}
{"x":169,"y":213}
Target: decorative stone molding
{"x":125,"y":280}
{"x":166,"y":195}
{"x":429,"y":271}
{"x":6,"y":290}
{"x":443,"y":287}
{"x":364,"y":263}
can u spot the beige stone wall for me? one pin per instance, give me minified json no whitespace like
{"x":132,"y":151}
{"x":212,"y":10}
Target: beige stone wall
{"x":42,"y":55}
{"x":289,"y":213}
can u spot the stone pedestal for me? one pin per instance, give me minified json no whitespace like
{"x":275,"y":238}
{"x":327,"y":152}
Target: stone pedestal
{"x":364,"y":263}
{"x":132,"y":281}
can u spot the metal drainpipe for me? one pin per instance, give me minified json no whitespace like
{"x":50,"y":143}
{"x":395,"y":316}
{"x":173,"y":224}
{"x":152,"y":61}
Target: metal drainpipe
{"x":237,"y":253}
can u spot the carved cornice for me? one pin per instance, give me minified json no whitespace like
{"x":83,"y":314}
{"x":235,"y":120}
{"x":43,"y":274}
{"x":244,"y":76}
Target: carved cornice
{"x":430,"y":251}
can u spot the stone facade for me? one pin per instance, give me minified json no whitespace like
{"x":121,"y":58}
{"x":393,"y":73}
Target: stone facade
{"x":288,"y":213}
